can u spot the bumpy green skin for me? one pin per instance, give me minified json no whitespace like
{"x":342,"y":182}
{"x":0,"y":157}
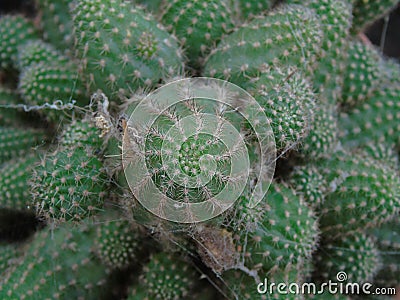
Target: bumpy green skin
{"x":8,"y":116}
{"x":322,"y":137}
{"x":288,"y":101}
{"x":165,"y":277}
{"x":364,"y":192}
{"x":70,"y":183}
{"x":15,"y":30}
{"x":265,"y":41}
{"x":81,"y":133}
{"x":361,"y":75}
{"x":250,"y":8}
{"x":383,"y":152}
{"x":8,"y":254}
{"x":122,"y":48}
{"x":117,"y":243}
{"x":356,"y":255}
{"x":376,"y":120}
{"x":59,"y":264}
{"x":366,"y":12}
{"x":16,"y":142}
{"x":309,"y":182}
{"x":14,"y":177}
{"x":153,"y":6}
{"x":47,"y":83}
{"x":37,"y":51}
{"x":335,"y":17}
{"x":285,"y":236}
{"x":390,"y":71}
{"x":198,"y":24}
{"x":56,"y":22}
{"x":387,"y":237}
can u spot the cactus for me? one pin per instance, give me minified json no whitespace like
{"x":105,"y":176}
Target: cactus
{"x":362,"y":74}
{"x":14,"y":187}
{"x":64,"y":254}
{"x":390,"y":71}
{"x":117,"y":243}
{"x":310,"y":107}
{"x":377,"y":120}
{"x":288,"y":101}
{"x":198,"y":24}
{"x":355,"y":255}
{"x":387,"y":237}
{"x":248,"y":9}
{"x":56,"y":22}
{"x":8,"y":254}
{"x":335,"y":19}
{"x":165,"y":277}
{"x":15,"y":31}
{"x":37,"y":51}
{"x":364,"y":192}
{"x":322,"y":138}
{"x":187,"y":141}
{"x":51,"y":85}
{"x":69,"y":183}
{"x":309,"y":182}
{"x":122,"y":48}
{"x":17,"y":142}
{"x":283,"y":238}
{"x":9,"y":116}
{"x":366,"y":12}
{"x":265,"y":41}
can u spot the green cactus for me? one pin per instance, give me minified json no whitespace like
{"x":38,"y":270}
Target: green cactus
{"x":387,"y":238}
{"x":187,"y":142}
{"x":70,"y":183}
{"x":9,"y":116}
{"x":309,"y":182}
{"x":363,"y":193}
{"x":49,"y":85}
{"x":284,"y":236}
{"x":362,"y":74}
{"x":312,"y":91}
{"x":15,"y":31}
{"x":322,"y":138}
{"x":246,"y":10}
{"x":8,"y":255}
{"x":14,"y":187}
{"x":335,"y":19}
{"x":377,"y":120}
{"x":390,"y":71}
{"x":37,"y":51}
{"x":165,"y":277}
{"x":153,"y":6}
{"x":366,"y":12}
{"x":56,"y":22}
{"x":58,"y":263}
{"x":288,"y":101}
{"x":265,"y":41}
{"x":198,"y":24}
{"x":16,"y":142}
{"x":122,"y":48}
{"x":117,"y":243}
{"x":355,"y":255}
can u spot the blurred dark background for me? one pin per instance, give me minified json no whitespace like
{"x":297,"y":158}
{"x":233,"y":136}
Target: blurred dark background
{"x":391,"y":45}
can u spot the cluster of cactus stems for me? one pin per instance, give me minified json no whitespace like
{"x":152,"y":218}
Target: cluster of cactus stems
{"x":70,"y":221}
